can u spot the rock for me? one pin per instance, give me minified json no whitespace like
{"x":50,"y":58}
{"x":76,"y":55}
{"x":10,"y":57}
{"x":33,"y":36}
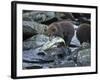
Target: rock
{"x":35,"y":42}
{"x":60,"y":52}
{"x":66,"y":63}
{"x":31,"y":66}
{"x":36,"y":52}
{"x":47,"y":17}
{"x":32,"y":56}
{"x":28,"y":32}
{"x":82,"y":17}
{"x":84,"y":57}
{"x":34,"y":67}
{"x":60,"y":16}
{"x":40,"y":28}
{"x":38,"y":16}
{"x":47,"y":59}
{"x":65,"y":15}
{"x":42,"y":42}
{"x":84,"y":20}
{"x":85,"y":45}
{"x":50,"y":21}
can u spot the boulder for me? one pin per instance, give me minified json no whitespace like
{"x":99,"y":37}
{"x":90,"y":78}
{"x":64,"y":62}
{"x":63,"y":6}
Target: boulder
{"x":28,"y":32}
{"x":84,"y":57}
{"x":64,"y":15}
{"x":38,"y":16}
{"x":47,"y":17}
{"x":35,"y":42}
{"x":40,"y":28}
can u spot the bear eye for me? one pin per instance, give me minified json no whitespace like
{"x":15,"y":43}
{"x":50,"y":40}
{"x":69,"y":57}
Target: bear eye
{"x":53,"y":30}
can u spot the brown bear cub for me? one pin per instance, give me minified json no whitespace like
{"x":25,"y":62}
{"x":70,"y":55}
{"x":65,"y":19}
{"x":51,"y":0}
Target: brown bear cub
{"x":63,"y":29}
{"x":84,"y":33}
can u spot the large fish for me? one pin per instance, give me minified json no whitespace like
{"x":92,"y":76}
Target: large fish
{"x":53,"y":42}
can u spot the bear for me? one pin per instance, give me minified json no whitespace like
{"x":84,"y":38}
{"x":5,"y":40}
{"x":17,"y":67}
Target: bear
{"x":63,"y":29}
{"x":83,"y":33}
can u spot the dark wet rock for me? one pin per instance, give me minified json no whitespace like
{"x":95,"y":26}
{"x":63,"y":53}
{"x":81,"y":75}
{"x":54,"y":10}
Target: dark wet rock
{"x":31,"y":66}
{"x":82,"y":18}
{"x":38,"y":61}
{"x":50,"y":21}
{"x":28,"y":32}
{"x":40,"y":28}
{"x":41,"y":54}
{"x":34,"y":67}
